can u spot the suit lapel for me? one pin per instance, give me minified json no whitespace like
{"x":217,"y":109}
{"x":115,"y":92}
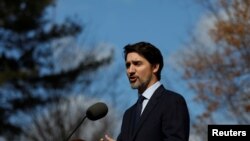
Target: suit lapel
{"x":150,"y":106}
{"x":132,"y":122}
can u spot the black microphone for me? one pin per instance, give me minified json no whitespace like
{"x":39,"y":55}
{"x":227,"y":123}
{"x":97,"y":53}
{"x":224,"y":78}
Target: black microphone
{"x":94,"y":112}
{"x":97,"y":111}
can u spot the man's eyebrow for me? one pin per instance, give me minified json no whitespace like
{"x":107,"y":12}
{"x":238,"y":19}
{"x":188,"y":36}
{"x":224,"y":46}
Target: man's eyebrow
{"x":136,"y":61}
{"x":133,"y":62}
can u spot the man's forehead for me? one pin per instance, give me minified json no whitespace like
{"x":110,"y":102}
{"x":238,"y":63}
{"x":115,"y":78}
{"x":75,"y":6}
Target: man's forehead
{"x":134,"y":56}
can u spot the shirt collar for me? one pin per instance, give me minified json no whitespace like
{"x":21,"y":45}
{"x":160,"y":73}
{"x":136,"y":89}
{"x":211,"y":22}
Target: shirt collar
{"x":149,"y":91}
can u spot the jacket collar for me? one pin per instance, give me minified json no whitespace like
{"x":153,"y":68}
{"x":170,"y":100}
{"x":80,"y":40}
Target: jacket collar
{"x":150,"y":106}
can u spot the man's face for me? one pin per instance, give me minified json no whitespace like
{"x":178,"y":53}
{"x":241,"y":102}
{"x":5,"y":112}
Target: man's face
{"x":140,"y":72}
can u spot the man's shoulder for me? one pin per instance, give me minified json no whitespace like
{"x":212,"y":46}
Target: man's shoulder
{"x":167,"y":93}
{"x":168,"y":98}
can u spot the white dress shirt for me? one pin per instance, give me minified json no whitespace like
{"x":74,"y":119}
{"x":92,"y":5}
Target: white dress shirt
{"x":148,"y":93}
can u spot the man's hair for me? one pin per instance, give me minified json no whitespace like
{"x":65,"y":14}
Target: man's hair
{"x":148,"y":51}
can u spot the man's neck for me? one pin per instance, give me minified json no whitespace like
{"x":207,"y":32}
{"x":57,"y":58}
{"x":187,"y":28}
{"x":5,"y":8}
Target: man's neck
{"x":145,"y":87}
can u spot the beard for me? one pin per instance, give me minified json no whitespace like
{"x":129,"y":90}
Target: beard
{"x":140,"y":84}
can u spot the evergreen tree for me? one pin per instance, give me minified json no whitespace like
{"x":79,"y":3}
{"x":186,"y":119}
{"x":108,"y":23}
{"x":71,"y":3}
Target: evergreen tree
{"x":26,"y":48}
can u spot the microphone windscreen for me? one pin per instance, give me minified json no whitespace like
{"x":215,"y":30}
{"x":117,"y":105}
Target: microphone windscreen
{"x":97,"y":111}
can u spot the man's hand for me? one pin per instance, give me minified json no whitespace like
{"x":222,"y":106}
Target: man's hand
{"x":107,"y":138}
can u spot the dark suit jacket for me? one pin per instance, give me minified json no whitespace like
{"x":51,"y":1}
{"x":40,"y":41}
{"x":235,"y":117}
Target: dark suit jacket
{"x":165,"y":118}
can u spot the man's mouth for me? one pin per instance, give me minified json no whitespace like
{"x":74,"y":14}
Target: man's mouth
{"x":132,"y":79}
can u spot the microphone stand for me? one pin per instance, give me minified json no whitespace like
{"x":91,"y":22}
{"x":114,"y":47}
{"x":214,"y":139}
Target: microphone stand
{"x":78,"y":125}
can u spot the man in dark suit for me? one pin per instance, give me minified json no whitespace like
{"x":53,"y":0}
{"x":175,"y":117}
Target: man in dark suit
{"x":160,"y":114}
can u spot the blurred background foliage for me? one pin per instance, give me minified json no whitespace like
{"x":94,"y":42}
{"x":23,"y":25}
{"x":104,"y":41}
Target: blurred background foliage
{"x":217,"y":66}
{"x":40,"y":65}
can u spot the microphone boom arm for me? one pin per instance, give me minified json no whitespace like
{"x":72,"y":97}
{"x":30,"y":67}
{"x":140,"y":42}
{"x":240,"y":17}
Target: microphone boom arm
{"x":78,"y":125}
{"x":95,"y":112}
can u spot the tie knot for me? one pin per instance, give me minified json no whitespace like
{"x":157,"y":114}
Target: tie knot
{"x":140,"y":99}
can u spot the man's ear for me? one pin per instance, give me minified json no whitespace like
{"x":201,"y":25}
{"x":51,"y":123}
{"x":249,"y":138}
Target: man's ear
{"x":156,"y":68}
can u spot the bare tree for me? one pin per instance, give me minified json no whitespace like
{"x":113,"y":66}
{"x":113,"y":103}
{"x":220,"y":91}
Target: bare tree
{"x":56,"y":123}
{"x":217,"y":66}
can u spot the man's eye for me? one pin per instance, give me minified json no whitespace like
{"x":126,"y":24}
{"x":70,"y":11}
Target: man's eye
{"x":137,"y":63}
{"x":127,"y":65}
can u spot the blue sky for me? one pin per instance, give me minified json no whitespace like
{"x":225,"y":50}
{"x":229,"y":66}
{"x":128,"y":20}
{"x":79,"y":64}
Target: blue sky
{"x":165,"y":23}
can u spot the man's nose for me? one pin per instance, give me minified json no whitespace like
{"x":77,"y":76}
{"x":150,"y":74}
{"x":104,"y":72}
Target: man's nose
{"x":131,"y":69}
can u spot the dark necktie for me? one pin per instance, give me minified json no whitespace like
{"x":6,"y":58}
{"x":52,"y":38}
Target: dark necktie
{"x":138,"y":108}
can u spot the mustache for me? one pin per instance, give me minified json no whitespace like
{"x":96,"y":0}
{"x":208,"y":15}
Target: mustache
{"x":132,"y":75}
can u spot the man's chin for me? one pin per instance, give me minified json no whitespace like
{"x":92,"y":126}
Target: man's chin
{"x":134,"y":86}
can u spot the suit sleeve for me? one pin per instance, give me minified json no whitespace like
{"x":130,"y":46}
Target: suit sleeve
{"x":176,"y":120}
{"x":123,"y":129}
